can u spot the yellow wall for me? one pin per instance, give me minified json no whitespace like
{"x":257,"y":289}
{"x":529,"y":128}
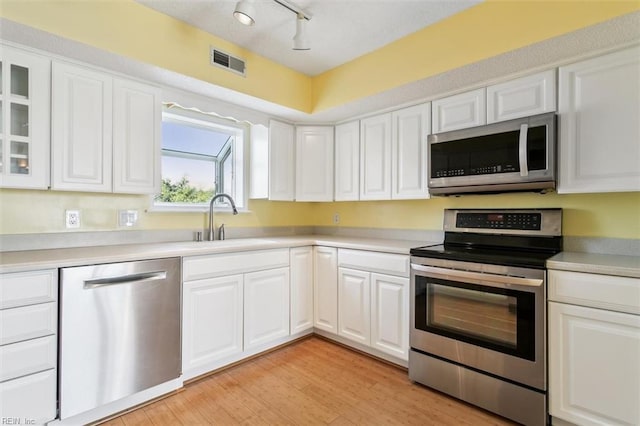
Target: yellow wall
{"x":130,"y":29}
{"x":480,"y":32}
{"x":615,"y":215}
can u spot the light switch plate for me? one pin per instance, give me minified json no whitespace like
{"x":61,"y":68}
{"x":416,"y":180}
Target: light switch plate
{"x":127,"y":218}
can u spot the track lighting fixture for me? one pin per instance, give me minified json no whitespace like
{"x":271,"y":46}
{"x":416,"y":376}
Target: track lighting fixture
{"x":245,"y":12}
{"x":300,"y":40}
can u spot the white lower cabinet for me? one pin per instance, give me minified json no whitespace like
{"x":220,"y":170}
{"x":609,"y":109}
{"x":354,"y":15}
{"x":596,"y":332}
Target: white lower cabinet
{"x":212,"y":320}
{"x":594,"y":353}
{"x":28,"y":346}
{"x":390,"y":314}
{"x":301,"y":289}
{"x":325,"y":291}
{"x":266,"y":306}
{"x":354,"y":305}
{"x":234,"y":306}
{"x":373,"y":301}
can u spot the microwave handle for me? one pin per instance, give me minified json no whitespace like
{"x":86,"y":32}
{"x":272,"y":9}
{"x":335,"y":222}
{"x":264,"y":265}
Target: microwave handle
{"x":522,"y":150}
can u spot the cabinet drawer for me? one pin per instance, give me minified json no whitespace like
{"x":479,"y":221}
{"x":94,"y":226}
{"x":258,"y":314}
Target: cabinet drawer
{"x":30,"y":397}
{"x":28,"y":288}
{"x":615,"y":293}
{"x":200,"y":267}
{"x":28,"y":357}
{"x":28,"y":322}
{"x":384,"y":263}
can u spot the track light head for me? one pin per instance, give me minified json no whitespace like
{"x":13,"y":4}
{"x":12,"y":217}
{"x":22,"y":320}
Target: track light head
{"x":301,"y":40}
{"x":244,"y":12}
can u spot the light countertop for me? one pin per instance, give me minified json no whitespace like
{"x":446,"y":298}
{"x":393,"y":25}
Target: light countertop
{"x":18,"y":261}
{"x":606,"y":264}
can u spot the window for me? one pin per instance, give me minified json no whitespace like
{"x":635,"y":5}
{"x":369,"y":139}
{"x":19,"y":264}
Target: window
{"x":201,"y":157}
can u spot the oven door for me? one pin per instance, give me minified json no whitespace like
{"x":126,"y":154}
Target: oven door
{"x":487,"y":317}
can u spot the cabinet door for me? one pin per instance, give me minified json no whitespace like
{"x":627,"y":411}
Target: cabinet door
{"x":599,"y":108}
{"x":354,"y":305}
{"x":325,"y":291}
{"x":212,"y":319}
{"x":347,"y":162}
{"x":467,"y":109}
{"x":281,"y":161}
{"x":594,"y":365}
{"x":301,"y":269}
{"x":390,"y":315}
{"x":530,"y":95}
{"x":314,"y":163}
{"x":375,"y":158}
{"x":410,"y":127}
{"x":266,"y":306}
{"x":81,"y":129}
{"x":137,"y":120}
{"x":25,"y":88}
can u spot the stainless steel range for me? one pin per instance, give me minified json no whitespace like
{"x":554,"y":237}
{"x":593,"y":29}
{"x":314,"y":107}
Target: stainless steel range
{"x":478,"y":310}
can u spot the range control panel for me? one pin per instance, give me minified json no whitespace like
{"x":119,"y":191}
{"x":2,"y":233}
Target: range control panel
{"x":500,"y":220}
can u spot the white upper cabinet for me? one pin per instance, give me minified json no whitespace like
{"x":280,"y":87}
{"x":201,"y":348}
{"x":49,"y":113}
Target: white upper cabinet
{"x":459,"y":111}
{"x":281,"y":161}
{"x":105,"y":132}
{"x":347,"y":162}
{"x":24,"y":119}
{"x":314,"y":163}
{"x":137,"y":121}
{"x":375,"y":158}
{"x":530,"y":95}
{"x":410,"y":127}
{"x":81,"y":134}
{"x":599,"y":106}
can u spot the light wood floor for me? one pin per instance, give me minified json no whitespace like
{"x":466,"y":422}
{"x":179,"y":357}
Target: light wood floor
{"x":311,"y":382}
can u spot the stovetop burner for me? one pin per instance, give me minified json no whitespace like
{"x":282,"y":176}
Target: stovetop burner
{"x":496,"y":256}
{"x":521,"y":238}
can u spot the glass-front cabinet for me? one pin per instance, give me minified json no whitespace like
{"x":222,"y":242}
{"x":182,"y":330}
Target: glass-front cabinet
{"x":25,"y":89}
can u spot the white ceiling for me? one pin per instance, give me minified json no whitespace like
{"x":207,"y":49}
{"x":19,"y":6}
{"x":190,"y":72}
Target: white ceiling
{"x":339,"y":30}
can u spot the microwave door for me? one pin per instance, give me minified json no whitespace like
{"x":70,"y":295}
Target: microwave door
{"x":514,"y":155}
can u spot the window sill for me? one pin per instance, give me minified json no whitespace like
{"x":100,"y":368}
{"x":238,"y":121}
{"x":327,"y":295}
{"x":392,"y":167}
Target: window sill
{"x":192,"y":209}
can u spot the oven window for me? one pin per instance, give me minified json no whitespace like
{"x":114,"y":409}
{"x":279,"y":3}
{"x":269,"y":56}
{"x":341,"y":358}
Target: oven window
{"x":494,"y":318}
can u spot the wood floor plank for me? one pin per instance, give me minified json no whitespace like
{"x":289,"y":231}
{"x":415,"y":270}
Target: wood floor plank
{"x":136,"y":418}
{"x":311,"y":382}
{"x":160,"y":415}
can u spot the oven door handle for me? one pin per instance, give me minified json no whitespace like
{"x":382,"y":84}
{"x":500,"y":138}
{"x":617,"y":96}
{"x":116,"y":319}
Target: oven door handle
{"x":492,"y":280}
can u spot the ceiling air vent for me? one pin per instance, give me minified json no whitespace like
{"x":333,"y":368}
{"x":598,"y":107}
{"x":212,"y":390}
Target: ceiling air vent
{"x":228,"y":62}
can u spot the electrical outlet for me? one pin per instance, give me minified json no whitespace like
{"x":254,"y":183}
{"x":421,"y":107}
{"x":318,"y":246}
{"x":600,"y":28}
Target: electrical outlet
{"x":72,"y":218}
{"x":336,"y":218}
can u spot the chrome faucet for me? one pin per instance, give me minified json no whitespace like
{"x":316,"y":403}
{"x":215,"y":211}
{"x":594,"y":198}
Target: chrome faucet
{"x":212,"y":231}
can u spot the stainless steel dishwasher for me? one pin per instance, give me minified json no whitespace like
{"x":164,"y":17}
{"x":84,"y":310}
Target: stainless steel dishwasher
{"x":119,"y":331}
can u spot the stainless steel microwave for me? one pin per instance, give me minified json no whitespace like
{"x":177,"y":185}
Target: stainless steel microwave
{"x":514,"y":155}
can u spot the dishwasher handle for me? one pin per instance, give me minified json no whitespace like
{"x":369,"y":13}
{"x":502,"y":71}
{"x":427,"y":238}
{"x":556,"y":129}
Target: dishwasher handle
{"x":125,"y":279}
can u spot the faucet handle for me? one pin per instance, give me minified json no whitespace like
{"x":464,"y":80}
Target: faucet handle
{"x":221,"y":232}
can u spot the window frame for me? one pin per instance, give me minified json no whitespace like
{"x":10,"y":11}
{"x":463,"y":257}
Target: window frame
{"x":238,"y":132}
